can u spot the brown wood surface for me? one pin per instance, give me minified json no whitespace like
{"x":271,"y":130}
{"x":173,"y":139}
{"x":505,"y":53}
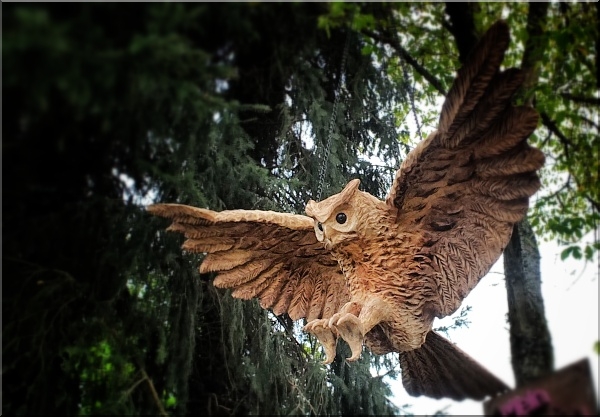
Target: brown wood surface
{"x":377,"y":273}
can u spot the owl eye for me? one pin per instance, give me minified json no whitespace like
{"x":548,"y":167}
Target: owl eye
{"x":320,"y":226}
{"x":341,"y":218}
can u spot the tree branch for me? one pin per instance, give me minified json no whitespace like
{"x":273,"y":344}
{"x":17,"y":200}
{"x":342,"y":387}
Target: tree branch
{"x":551,"y":125}
{"x":590,"y":122}
{"x":566,"y":142}
{"x":462,"y":27}
{"x":595,"y":204}
{"x":566,"y":185}
{"x":291,"y":335}
{"x":159,"y":405}
{"x":534,"y":49}
{"x":594,"y":101}
{"x":133,"y":387}
{"x":395,"y":44}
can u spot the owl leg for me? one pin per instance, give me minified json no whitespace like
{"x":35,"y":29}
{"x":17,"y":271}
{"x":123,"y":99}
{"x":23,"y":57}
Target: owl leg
{"x":355,"y":323}
{"x":347,"y":325}
{"x":320,"y":328}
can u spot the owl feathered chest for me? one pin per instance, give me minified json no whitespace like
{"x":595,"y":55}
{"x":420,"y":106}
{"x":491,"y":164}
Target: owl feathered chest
{"x":385,"y":263}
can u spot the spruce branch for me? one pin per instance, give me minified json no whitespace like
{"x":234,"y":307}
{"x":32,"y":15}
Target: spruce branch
{"x":133,"y":387}
{"x":213,"y":397}
{"x":395,"y":44}
{"x":159,"y":405}
{"x":291,"y":336}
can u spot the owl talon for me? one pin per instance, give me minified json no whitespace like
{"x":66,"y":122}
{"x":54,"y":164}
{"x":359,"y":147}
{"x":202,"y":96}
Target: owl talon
{"x":350,"y":329}
{"x":325,"y":335}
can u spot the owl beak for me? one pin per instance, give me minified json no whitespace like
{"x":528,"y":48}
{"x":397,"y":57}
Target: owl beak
{"x":326,"y":241}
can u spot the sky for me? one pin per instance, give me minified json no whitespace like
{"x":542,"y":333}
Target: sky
{"x":570,"y":291}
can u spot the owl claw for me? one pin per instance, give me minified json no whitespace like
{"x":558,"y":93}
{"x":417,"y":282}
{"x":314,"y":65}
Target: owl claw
{"x":328,"y":359}
{"x":327,"y":337}
{"x":350,"y":329}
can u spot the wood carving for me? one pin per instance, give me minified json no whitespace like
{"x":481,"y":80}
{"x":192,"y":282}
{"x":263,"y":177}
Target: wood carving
{"x":378,"y":272}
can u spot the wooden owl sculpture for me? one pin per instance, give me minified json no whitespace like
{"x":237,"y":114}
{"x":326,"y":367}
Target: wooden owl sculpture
{"x":377,"y":273}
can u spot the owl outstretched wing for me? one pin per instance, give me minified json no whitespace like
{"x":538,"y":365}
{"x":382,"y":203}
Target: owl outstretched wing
{"x":466,"y":185}
{"x":274,"y":257}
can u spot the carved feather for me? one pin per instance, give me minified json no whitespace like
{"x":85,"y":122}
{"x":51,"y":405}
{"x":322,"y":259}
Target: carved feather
{"x":274,"y":257}
{"x":447,"y":218}
{"x":439,"y":369}
{"x":473,"y":79}
{"x":470,"y":180}
{"x":220,"y":260}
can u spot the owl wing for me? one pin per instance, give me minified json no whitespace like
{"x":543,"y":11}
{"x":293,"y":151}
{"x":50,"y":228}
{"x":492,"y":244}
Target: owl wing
{"x":463,"y":188}
{"x":274,"y":257}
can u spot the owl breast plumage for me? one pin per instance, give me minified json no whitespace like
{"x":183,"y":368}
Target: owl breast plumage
{"x":377,"y":273}
{"x":363,"y":235}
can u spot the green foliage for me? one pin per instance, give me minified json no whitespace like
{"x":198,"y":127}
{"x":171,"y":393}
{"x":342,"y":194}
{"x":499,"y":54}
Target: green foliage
{"x":113,"y":106}
{"x":97,"y":366}
{"x":459,"y":320}
{"x":567,"y":207}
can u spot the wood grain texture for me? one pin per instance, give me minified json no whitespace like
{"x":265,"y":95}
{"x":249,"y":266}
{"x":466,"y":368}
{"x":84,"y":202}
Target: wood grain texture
{"x":378,"y":272}
{"x":441,"y":370}
{"x":274,"y":257}
{"x":471,"y":179}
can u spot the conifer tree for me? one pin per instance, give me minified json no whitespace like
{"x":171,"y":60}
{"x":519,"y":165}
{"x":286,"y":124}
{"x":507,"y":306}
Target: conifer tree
{"x":220,"y":106}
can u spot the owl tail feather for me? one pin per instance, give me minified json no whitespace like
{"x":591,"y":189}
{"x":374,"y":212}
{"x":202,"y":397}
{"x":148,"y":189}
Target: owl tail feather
{"x":439,"y":369}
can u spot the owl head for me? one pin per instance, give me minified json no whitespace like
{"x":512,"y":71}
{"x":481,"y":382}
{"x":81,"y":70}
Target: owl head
{"x":344,"y":217}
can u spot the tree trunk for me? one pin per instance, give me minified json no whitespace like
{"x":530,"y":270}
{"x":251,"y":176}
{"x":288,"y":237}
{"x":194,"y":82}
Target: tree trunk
{"x":530,"y":342}
{"x":462,"y":27}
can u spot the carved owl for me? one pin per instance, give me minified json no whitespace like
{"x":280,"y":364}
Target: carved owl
{"x":377,"y":273}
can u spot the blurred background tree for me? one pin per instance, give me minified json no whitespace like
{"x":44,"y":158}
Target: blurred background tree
{"x":548,"y":42}
{"x":111,"y":106}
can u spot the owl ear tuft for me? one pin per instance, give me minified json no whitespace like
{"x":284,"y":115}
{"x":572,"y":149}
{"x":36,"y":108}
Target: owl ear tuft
{"x":322,"y":210}
{"x":351,"y":186}
{"x":311,"y":208}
